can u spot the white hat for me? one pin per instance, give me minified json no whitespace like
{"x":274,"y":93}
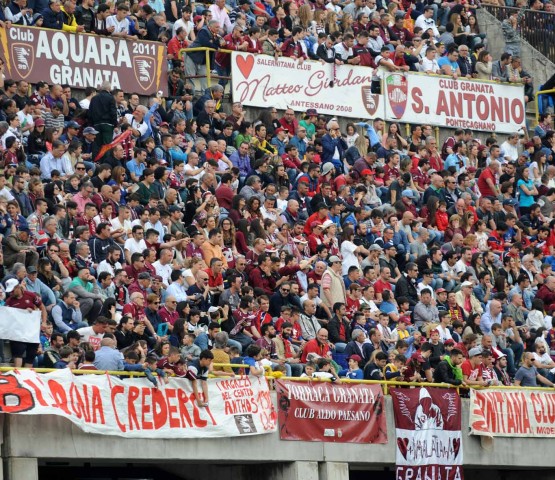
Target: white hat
{"x":467,"y":284}
{"x":327,"y":223}
{"x":213,"y":309}
{"x":11,"y":284}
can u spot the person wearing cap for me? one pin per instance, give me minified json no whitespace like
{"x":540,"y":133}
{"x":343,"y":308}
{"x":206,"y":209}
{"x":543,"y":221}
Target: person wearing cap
{"x":472,"y":368}
{"x":466,"y":299}
{"x":333,"y":285}
{"x":354,"y":371}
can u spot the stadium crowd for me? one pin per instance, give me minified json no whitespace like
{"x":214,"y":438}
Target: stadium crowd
{"x":167,"y":236}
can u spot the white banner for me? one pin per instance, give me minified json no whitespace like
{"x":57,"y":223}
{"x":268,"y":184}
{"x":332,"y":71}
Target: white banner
{"x":512,"y":413}
{"x":442,"y":101}
{"x":343,"y":90}
{"x":132,"y":408}
{"x":19,"y":325}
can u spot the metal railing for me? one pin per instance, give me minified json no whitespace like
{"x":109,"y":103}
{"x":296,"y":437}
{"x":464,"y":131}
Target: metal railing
{"x":386,"y":384}
{"x":534,"y":26}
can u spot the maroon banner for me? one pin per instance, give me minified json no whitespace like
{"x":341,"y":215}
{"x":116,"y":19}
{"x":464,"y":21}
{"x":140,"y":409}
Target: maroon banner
{"x":83,"y":60}
{"x":428,"y":430}
{"x":326,"y":412}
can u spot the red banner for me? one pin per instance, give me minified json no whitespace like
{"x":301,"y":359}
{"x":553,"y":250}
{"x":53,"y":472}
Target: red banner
{"x":428,"y":430}
{"x":326,"y":412}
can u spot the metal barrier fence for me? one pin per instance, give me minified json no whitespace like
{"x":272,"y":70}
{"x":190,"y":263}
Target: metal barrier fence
{"x":534,"y":26}
{"x":386,"y":384}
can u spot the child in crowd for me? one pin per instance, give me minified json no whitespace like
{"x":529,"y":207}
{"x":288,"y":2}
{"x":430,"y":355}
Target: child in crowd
{"x":353,"y":372}
{"x":325,"y":370}
{"x":88,"y":363}
{"x":396,"y":369}
{"x":309,"y":369}
{"x":67,"y":358}
{"x":253,"y":359}
{"x":189,"y":351}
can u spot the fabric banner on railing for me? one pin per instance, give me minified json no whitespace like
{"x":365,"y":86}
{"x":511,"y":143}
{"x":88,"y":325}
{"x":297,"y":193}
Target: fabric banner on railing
{"x":510,"y":413}
{"x":326,"y":412}
{"x":341,"y":90}
{"x":428,"y":429}
{"x":461,"y":103}
{"x":133,"y":408}
{"x":19,"y":325}
{"x":83,"y":60}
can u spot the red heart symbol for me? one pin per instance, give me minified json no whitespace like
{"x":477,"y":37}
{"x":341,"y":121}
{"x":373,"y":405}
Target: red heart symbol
{"x":456,"y":446}
{"x":245,"y":64}
{"x":403,"y":443}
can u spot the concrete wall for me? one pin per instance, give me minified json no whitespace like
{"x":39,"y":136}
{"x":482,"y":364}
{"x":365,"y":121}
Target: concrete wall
{"x":540,"y":67}
{"x":56,"y":439}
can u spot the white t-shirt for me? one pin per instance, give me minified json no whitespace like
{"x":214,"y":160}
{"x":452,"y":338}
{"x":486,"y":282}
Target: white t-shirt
{"x":188,"y":26}
{"x":25,"y":120}
{"x":135,"y":247}
{"x":164,"y":271}
{"x":90,"y":336}
{"x":119,"y":27}
{"x":349,"y":257}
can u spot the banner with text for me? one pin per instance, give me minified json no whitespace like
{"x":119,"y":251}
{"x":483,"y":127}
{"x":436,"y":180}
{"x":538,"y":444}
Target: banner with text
{"x":132,"y":408}
{"x":326,"y":412}
{"x":341,"y":90}
{"x":445,"y":102}
{"x":503,"y":413}
{"x":83,"y":60}
{"x":429,"y":438}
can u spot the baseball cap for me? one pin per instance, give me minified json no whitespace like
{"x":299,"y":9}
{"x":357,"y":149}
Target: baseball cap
{"x":89,"y":130}
{"x":31,"y":269}
{"x":440,"y":290}
{"x":164,"y":124}
{"x":467,"y":284}
{"x":300,"y":239}
{"x":389,"y":245}
{"x":279,"y":130}
{"x":327,"y":168}
{"x":311,"y":112}
{"x":474,"y":352}
{"x":510,"y":201}
{"x":39,"y":122}
{"x":449,"y":342}
{"x":213,"y":309}
{"x":375,"y":248}
{"x":334,"y":259}
{"x":356,"y":358}
{"x":367,"y":171}
{"x":11,"y":284}
{"x":407,"y":193}
{"x":327,"y":224}
{"x":404,"y":319}
{"x":73,"y":124}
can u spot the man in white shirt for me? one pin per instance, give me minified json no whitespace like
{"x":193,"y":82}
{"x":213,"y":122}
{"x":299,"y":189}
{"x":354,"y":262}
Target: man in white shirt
{"x":119,"y":24}
{"x":185,"y":23}
{"x":220,"y":14}
{"x":426,"y":21}
{"x":136,"y":243}
{"x":509,"y":148}
{"x":136,"y":121}
{"x":163,"y":266}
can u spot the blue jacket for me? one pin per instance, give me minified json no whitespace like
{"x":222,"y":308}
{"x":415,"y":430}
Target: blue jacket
{"x":52,"y":19}
{"x":329,"y":145}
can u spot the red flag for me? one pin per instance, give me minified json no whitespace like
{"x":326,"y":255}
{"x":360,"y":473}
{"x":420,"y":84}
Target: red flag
{"x":119,"y":139}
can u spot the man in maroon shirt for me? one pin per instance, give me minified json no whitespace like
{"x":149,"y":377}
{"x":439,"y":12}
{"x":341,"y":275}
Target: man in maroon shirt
{"x":224,"y":193}
{"x":289,"y":122}
{"x":21,"y":299}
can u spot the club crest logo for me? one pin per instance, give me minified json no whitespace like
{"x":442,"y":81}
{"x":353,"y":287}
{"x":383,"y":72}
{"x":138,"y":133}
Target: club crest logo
{"x":23,"y":59}
{"x":397,"y":94}
{"x":370,"y":100}
{"x":144,"y":68}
